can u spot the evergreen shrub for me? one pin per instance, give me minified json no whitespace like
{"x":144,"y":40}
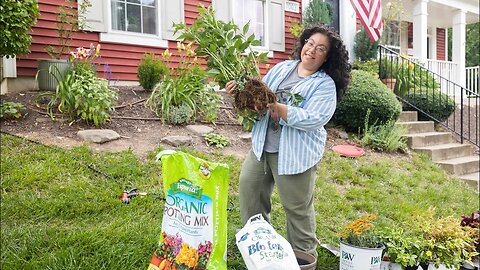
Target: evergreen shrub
{"x":363,"y":47}
{"x":150,"y":71}
{"x":439,"y":105}
{"x":364,"y":93}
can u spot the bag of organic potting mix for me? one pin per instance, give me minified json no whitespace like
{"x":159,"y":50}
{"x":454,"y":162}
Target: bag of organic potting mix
{"x":194,"y":225}
{"x":262,"y":248}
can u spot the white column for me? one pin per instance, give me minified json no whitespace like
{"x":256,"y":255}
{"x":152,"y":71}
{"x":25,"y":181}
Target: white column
{"x":348,"y":26}
{"x":458,"y":44}
{"x":420,"y":30}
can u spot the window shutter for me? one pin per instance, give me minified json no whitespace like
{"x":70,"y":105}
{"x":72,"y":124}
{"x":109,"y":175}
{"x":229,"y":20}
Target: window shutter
{"x":222,"y":9}
{"x":95,"y":16}
{"x":172,"y":12}
{"x":276,"y":25}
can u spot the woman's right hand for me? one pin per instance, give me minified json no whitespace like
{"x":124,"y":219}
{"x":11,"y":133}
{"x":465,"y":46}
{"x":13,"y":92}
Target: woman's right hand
{"x":230,"y":86}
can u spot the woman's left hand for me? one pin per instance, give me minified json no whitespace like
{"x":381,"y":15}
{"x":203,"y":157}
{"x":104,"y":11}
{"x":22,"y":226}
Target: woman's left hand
{"x":277,"y":111}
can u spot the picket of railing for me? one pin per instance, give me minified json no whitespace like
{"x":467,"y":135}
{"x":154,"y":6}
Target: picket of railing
{"x":473,"y":79}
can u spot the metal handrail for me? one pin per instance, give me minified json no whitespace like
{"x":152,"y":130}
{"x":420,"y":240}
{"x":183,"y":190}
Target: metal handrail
{"x":413,"y":78}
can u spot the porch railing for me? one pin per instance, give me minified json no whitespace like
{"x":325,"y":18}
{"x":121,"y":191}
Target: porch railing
{"x":473,"y":79}
{"x":415,"y":80}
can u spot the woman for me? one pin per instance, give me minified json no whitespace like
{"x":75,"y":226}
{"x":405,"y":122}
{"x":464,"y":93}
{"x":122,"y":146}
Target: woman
{"x":289,"y":140}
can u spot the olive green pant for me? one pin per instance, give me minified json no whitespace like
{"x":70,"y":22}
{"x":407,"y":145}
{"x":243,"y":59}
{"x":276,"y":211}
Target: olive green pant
{"x":257,"y":180}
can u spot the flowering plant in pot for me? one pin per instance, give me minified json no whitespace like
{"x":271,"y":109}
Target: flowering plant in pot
{"x":70,"y":19}
{"x":406,"y":246}
{"x":361,"y":244}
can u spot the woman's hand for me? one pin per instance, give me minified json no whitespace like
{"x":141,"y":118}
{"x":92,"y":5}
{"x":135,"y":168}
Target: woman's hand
{"x":230,"y":86}
{"x":277,"y":111}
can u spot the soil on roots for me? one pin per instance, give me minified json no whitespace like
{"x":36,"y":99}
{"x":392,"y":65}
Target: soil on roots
{"x":255,"y":96}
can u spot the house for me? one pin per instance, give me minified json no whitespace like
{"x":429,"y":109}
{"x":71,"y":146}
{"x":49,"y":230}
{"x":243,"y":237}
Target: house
{"x":418,"y":29}
{"x":126,"y":29}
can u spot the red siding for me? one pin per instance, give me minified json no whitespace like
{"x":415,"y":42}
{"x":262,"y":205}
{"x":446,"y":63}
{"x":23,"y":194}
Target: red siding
{"x":441,"y":44}
{"x":122,"y":59}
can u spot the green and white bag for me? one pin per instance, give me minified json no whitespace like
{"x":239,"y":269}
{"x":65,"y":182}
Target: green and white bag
{"x":194,"y":225}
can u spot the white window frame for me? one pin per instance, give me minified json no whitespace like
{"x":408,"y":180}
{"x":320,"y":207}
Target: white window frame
{"x":131,"y":37}
{"x":266,"y":25}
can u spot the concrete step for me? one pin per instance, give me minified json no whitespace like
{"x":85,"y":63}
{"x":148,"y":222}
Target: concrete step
{"x":417,"y":126}
{"x":472,"y":179}
{"x":445,"y":151}
{"x":461,"y":165}
{"x":428,"y":138}
{"x":408,"y":116}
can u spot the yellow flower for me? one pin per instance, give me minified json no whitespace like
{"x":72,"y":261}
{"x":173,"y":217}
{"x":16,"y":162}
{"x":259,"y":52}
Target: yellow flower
{"x":166,"y":54}
{"x":428,"y":253}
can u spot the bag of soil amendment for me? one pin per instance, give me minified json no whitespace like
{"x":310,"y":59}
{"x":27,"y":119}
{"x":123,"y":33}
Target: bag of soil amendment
{"x":194,"y":225}
{"x":263,"y":248}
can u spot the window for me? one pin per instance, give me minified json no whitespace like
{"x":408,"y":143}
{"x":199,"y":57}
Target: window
{"x":253,"y":11}
{"x":138,"y":16}
{"x":392,"y":34}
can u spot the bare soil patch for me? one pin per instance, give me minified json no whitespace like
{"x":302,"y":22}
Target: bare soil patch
{"x":139,"y":127}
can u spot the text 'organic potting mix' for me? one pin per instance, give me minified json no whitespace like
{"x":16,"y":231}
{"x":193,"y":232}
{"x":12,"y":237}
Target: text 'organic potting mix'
{"x":194,"y":224}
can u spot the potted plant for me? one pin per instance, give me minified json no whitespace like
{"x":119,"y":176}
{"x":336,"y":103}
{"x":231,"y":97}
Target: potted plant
{"x":406,"y":247}
{"x":69,"y":21}
{"x":428,"y":240}
{"x":361,"y":245}
{"x":472,"y":221}
{"x":388,"y":73}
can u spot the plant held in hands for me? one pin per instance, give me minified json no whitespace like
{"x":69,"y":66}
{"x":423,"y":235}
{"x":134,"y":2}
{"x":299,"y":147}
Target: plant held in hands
{"x":229,"y":57}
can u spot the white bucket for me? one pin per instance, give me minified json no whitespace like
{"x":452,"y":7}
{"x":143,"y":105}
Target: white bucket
{"x":357,"y":258}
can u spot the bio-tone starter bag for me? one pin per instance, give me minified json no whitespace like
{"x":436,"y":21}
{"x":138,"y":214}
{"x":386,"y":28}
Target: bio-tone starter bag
{"x":263,"y":248}
{"x":194,"y":225}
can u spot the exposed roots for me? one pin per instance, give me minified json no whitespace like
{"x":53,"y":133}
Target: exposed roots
{"x":255,"y":96}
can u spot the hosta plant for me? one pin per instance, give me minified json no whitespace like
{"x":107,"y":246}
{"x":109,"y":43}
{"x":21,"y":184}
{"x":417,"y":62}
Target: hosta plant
{"x":229,"y":56}
{"x":10,"y":109}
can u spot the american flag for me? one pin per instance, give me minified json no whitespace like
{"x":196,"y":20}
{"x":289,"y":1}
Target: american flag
{"x":370,"y":14}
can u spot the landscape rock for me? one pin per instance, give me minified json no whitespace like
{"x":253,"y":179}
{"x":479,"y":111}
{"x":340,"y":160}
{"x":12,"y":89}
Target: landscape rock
{"x":247,"y":137}
{"x":178,"y":140}
{"x":98,"y":135}
{"x":200,"y":129}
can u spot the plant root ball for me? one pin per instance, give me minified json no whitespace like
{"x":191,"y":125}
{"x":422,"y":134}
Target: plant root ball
{"x":255,"y":96}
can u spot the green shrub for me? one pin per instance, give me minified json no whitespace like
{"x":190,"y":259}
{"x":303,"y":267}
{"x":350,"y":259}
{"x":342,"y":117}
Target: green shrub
{"x":432,"y":102}
{"x":182,"y":114}
{"x":150,"y":71}
{"x":10,"y":109}
{"x":387,"y":137}
{"x":217,"y":140}
{"x":16,"y":19}
{"x":317,"y":11}
{"x":370,"y":66}
{"x":82,"y":95}
{"x":364,"y":93}
{"x":363,"y":47}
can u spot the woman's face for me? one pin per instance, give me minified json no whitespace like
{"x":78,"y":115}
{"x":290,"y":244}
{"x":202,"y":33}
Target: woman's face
{"x":315,"y":51}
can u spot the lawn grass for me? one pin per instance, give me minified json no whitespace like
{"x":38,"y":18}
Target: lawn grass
{"x":61,"y":209}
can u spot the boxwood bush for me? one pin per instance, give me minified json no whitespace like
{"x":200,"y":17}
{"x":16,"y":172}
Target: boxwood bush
{"x":364,"y":93}
{"x":150,"y":71}
{"x":439,"y":105}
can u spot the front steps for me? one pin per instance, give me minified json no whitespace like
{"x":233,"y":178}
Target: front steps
{"x":455,"y":158}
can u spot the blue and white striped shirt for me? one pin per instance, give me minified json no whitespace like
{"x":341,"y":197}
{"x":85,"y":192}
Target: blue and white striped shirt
{"x":303,"y":137}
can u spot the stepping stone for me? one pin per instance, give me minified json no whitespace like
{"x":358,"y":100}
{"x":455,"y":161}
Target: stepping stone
{"x":200,"y":129}
{"x":178,"y":140}
{"x":98,"y":135}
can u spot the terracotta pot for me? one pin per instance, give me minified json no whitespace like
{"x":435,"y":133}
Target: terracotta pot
{"x":390,"y":83}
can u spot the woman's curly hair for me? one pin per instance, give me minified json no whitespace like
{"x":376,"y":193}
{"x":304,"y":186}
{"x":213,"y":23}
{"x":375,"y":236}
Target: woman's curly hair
{"x":336,"y":64}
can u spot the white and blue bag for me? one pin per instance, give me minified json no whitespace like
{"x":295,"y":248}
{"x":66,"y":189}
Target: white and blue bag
{"x":262,"y":248}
